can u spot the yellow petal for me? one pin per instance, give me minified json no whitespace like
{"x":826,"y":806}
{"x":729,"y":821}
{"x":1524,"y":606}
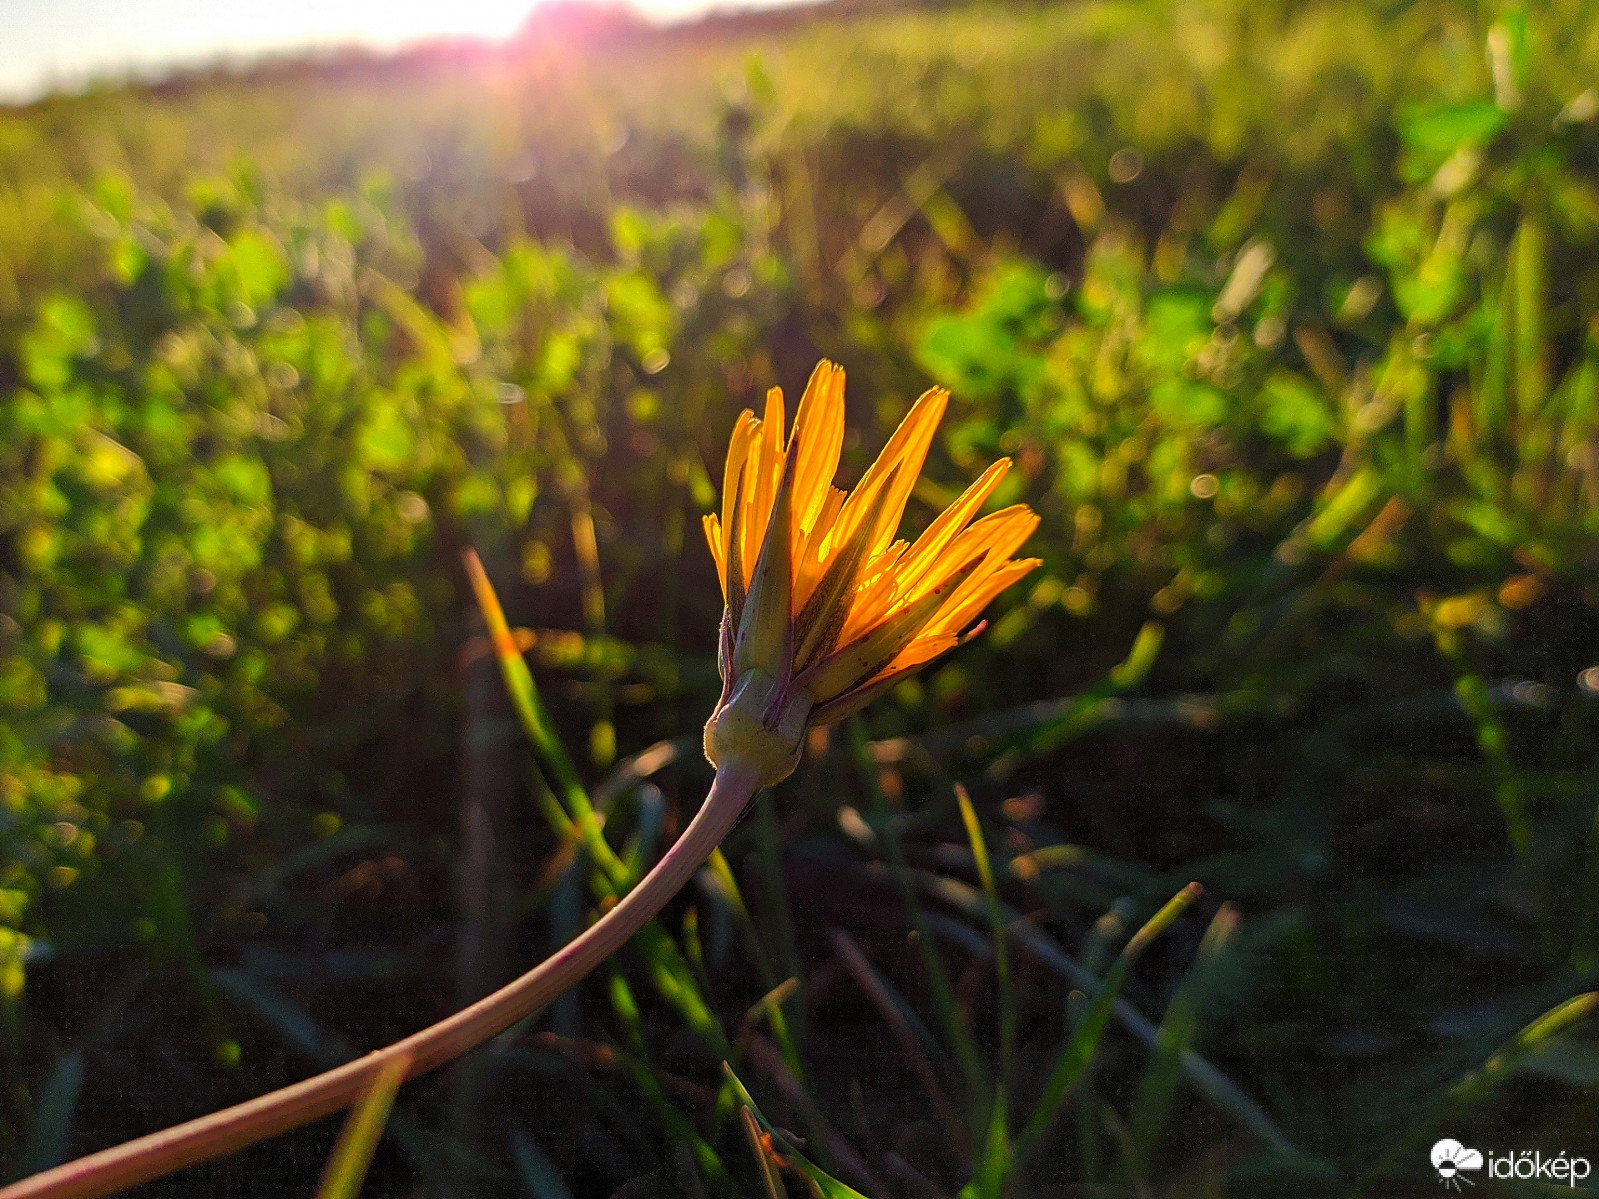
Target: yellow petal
{"x":819,"y":428}
{"x":949,"y":525}
{"x":858,"y":660}
{"x":771,"y":454}
{"x":996,"y":537}
{"x":737,"y":572}
{"x":911,"y":453}
{"x":756,"y":502}
{"x":824,"y":613}
{"x":713,"y":534}
{"x":907,"y":449}
{"x":732,"y":475}
{"x":773,"y":419}
{"x":964,"y":607}
{"x":812,"y":558}
{"x":922,"y":651}
{"x":911,"y":659}
{"x":876,"y":597}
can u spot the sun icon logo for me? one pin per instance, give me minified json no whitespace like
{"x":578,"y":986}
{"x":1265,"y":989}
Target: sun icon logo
{"x":1451,"y":1159}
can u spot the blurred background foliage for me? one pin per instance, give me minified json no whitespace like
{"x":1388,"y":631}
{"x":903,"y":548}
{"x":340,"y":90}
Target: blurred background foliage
{"x":1288,"y":315}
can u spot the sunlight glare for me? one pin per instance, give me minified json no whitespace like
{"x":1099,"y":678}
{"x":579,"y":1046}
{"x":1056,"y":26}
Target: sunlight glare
{"x":393,"y":20}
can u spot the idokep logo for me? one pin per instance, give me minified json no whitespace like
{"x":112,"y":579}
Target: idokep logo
{"x":1456,"y":1163}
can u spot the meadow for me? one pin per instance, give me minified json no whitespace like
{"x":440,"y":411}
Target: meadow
{"x":1288,"y":316}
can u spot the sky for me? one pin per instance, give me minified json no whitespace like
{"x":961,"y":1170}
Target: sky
{"x":46,"y":44}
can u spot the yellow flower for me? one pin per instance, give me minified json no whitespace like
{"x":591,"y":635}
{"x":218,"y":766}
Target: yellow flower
{"x":826,"y":610}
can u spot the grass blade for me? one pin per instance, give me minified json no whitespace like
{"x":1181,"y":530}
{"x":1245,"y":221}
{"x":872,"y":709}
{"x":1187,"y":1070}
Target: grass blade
{"x":1087,"y":710}
{"x":535,"y":720}
{"x":1158,"y":1088}
{"x":1204,"y":1076}
{"x":648,"y":1079}
{"x":534,"y":1167}
{"x":770,"y":1182}
{"x":52,"y":1122}
{"x":1079,"y":1050}
{"x":1478,"y":1085}
{"x":823,"y":1184}
{"x":363,"y":1129}
{"x":985,"y":875}
{"x":995,"y":1166}
{"x":951,"y":1016}
{"x":1532,"y":367}
{"x":836,"y":1154}
{"x":889,"y":1007}
{"x":669,"y":971}
{"x":777,"y":900}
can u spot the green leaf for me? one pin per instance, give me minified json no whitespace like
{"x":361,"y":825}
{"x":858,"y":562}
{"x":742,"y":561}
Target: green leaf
{"x":1176,"y":323}
{"x":387,"y":440}
{"x":258,"y":266}
{"x":1184,"y":402}
{"x":1297,"y":414}
{"x":1435,"y":131}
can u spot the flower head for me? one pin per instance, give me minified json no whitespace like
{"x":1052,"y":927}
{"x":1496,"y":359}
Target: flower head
{"x":826,"y":610}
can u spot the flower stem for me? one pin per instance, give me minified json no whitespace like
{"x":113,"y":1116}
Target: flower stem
{"x":233,"y":1128}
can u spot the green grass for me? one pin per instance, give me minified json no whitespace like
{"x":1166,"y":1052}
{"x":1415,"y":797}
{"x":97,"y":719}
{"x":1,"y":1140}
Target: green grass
{"x":1288,"y":315}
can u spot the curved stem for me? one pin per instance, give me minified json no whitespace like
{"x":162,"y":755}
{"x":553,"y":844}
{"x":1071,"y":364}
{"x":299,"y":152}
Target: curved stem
{"x":233,"y":1128}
